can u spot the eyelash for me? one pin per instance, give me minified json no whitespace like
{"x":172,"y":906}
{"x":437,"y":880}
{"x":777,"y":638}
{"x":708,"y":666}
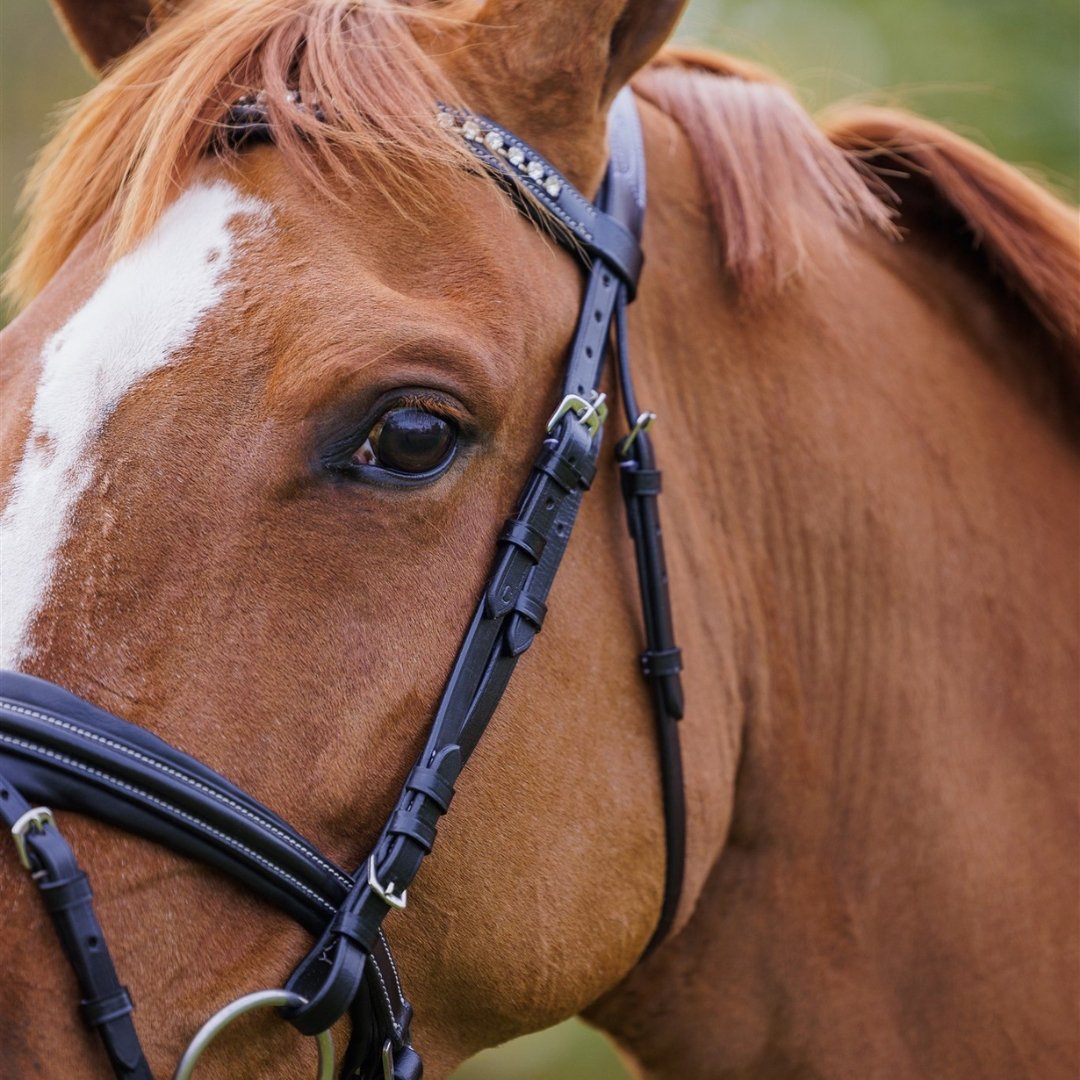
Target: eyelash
{"x":338,"y":458}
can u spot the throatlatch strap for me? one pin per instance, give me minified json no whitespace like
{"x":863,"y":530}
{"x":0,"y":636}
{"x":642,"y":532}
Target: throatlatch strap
{"x":661,"y":661}
{"x":65,"y":890}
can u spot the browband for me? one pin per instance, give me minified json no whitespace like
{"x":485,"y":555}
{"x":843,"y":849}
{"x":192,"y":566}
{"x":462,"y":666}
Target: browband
{"x":58,"y":748}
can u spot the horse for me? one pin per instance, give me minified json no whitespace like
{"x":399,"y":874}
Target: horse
{"x":860,"y":341}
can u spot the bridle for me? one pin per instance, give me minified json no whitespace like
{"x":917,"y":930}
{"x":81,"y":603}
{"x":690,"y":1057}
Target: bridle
{"x":60,"y":749}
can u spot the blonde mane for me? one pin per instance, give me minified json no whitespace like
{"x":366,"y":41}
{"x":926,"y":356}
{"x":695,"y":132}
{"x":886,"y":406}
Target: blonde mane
{"x":1027,"y":240}
{"x":782,"y":193}
{"x":130,"y":145}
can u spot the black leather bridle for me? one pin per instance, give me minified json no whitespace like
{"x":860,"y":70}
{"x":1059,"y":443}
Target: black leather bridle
{"x":57,"y":748}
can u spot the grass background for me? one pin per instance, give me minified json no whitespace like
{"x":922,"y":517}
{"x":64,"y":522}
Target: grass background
{"x":1000,"y":71}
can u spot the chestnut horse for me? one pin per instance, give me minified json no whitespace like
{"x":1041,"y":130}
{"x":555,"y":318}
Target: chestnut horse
{"x":862,"y":345}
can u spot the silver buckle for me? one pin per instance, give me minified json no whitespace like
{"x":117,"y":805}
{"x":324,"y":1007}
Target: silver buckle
{"x":641,"y":425}
{"x":387,"y":894}
{"x":35,"y":819}
{"x":592,"y":412}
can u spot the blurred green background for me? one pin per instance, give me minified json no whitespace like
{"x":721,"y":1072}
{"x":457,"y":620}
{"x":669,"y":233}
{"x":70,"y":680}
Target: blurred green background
{"x":1003,"y":72}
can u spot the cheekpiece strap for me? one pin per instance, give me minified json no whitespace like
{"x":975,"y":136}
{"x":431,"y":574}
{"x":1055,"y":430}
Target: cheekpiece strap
{"x":65,"y":890}
{"x":530,"y":552}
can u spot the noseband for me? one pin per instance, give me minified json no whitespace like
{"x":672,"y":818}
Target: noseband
{"x":58,"y":749}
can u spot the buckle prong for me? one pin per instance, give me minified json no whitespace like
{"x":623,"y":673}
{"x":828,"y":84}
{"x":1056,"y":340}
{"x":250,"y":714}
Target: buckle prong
{"x":395,"y":900}
{"x":36,"y":818}
{"x":591,"y":411}
{"x":641,"y":425}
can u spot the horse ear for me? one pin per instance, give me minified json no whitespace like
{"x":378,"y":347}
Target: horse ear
{"x":590,"y":47}
{"x":103,"y":30}
{"x":641,"y":29}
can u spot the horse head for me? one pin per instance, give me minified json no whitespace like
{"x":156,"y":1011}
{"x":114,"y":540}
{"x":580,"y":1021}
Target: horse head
{"x":263,"y":428}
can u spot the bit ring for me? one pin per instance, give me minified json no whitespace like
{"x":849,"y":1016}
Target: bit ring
{"x":233,"y":1011}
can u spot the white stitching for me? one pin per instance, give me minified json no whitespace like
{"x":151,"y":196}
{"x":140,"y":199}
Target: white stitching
{"x":393,"y":966}
{"x":176,"y":774}
{"x":386,"y":994}
{"x":131,"y":789}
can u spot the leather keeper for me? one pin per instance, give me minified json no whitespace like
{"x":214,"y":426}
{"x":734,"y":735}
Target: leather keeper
{"x":407,"y":823}
{"x":531,"y":608}
{"x":638,"y":482}
{"x":407,"y":1064}
{"x":658,"y":663}
{"x":564,"y":471}
{"x":525,"y":623}
{"x":619,"y":249}
{"x":430,"y":783}
{"x":359,"y":927}
{"x":103,"y":1010}
{"x":522,"y":535}
{"x":69,"y":893}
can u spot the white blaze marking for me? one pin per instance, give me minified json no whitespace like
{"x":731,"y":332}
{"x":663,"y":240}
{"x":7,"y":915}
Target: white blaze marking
{"x":147,"y":309}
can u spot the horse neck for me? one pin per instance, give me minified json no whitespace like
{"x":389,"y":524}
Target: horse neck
{"x":869,"y":529}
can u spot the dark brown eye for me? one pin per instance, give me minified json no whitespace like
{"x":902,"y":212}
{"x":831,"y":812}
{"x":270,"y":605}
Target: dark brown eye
{"x":408,"y":440}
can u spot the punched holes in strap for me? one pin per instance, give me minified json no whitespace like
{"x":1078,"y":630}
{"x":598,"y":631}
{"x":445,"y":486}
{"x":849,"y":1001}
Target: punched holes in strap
{"x":66,"y":893}
{"x":75,"y":892}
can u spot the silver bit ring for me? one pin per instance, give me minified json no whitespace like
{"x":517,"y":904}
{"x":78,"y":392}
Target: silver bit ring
{"x":233,"y":1011}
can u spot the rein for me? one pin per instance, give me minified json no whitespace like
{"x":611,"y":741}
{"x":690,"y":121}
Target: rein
{"x":58,"y":748}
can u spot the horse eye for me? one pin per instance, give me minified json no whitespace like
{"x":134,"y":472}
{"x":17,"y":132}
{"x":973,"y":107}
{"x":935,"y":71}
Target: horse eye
{"x":408,"y":440}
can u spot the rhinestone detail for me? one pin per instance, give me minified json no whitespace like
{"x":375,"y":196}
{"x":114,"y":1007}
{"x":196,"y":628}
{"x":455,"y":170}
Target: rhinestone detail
{"x":475,"y":131}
